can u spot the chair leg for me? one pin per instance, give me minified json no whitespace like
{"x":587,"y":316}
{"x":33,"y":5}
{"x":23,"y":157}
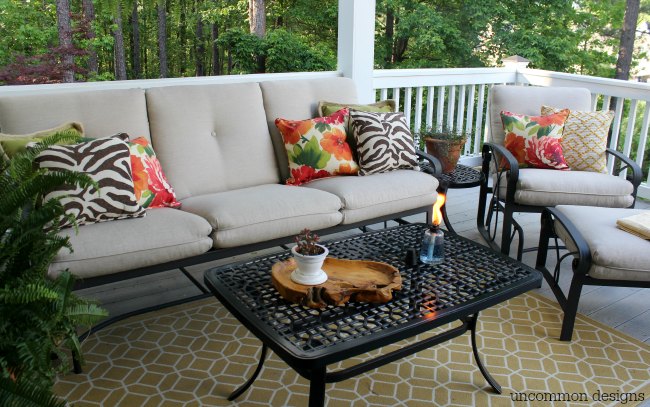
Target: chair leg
{"x":571,"y":308}
{"x":506,"y":232}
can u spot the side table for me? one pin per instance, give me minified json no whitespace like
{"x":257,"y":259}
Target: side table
{"x":461,"y":177}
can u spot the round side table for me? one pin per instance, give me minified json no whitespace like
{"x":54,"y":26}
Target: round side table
{"x":461,"y":177}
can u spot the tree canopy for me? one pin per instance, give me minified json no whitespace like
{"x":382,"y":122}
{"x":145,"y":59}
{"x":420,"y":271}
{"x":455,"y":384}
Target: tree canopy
{"x":117,"y":39}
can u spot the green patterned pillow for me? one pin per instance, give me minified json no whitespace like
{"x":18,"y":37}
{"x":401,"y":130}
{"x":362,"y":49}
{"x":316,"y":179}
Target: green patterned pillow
{"x":12,"y":144}
{"x":328,"y":108}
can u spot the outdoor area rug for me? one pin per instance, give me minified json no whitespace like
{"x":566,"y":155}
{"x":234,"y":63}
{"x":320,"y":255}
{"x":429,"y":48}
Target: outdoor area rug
{"x":197,"y":353}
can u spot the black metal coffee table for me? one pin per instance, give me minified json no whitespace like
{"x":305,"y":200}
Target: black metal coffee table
{"x":471,"y":279}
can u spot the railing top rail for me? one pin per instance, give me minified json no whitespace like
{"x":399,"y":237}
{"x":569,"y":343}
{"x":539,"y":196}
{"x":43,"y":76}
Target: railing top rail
{"x":153,"y":83}
{"x":389,"y":78}
{"x":605,"y":86}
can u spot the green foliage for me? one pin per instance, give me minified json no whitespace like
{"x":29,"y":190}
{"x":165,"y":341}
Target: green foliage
{"x":26,"y":394}
{"x":40,"y":315}
{"x":287,"y":52}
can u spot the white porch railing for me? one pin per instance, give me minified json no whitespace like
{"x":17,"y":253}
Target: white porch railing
{"x":458,"y":99}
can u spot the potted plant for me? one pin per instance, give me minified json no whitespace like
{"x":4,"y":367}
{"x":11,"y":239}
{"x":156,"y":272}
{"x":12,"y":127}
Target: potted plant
{"x":40,"y":315}
{"x":444,"y":144}
{"x":309,"y":256}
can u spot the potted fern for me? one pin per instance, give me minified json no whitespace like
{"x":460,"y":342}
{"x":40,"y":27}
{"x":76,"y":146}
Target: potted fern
{"x":40,"y":316}
{"x":445,"y":144}
{"x":309,"y":256}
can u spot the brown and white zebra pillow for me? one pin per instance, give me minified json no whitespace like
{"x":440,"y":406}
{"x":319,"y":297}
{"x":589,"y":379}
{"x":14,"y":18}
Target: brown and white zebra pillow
{"x":108,"y":162}
{"x":384,"y":142}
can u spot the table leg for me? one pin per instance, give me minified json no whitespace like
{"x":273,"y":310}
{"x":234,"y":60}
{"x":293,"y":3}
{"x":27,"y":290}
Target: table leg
{"x":250,"y":381}
{"x":317,"y":387}
{"x":472,"y":326}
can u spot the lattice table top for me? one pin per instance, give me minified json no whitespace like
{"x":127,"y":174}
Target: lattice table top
{"x":469,"y":273}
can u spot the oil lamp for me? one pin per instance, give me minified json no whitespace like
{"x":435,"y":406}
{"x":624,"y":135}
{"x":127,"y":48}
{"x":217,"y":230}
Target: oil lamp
{"x":432,"y":250}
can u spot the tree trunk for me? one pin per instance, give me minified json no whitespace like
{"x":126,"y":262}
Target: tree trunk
{"x":89,"y":15}
{"x":200,"y":48}
{"x":65,"y":39}
{"x":216,"y":60}
{"x":390,"y":34}
{"x":182,"y":38}
{"x":162,"y":38}
{"x":119,"y":53}
{"x":257,"y":17}
{"x":136,"y":65}
{"x":626,"y":48}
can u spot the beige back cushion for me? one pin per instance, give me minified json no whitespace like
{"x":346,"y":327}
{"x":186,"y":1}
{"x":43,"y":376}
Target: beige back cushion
{"x":102,"y":113}
{"x":528,"y":100}
{"x":211,"y":138}
{"x":298,"y":100}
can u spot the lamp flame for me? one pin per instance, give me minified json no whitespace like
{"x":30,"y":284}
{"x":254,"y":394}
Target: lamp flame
{"x":437,"y":213}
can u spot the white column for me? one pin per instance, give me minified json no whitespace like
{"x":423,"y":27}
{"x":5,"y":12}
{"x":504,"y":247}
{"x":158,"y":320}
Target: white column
{"x":356,"y":44}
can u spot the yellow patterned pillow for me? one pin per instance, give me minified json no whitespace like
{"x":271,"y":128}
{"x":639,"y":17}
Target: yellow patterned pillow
{"x":585,"y":139}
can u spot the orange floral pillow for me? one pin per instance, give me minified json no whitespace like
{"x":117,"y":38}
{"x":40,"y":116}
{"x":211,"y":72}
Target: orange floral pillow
{"x":150,"y":184}
{"x":317,"y":148}
{"x":535,"y":141}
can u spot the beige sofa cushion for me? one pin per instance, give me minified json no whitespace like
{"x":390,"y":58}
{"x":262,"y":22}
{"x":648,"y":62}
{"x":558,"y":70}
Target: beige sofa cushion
{"x":615,"y":254}
{"x":211,"y":138}
{"x":550,"y":187}
{"x":264,"y":212}
{"x":104,"y":248}
{"x":298,"y":100}
{"x":528,"y":100}
{"x":102,"y":113}
{"x":379,"y":194}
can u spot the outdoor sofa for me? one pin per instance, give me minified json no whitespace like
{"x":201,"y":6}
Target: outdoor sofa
{"x":221,"y":152}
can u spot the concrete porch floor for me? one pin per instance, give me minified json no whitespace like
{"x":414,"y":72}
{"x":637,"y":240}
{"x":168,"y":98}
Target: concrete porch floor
{"x":626,"y":309}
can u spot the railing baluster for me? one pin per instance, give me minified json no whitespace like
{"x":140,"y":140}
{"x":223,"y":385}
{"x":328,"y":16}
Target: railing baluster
{"x":470,"y":118}
{"x":479,"y":119}
{"x":629,"y":134}
{"x":594,"y":101}
{"x":383,"y":94}
{"x":616,"y":129}
{"x":606,"y":102}
{"x":418,"y":108}
{"x":396,"y":97}
{"x":407,"y":105}
{"x":441,"y":107}
{"x":450,"y":107}
{"x":643,"y":137}
{"x":460,"y":111}
{"x":429,"y":115}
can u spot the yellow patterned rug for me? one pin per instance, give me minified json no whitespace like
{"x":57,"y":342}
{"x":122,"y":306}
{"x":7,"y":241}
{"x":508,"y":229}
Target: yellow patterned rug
{"x":196,"y":354}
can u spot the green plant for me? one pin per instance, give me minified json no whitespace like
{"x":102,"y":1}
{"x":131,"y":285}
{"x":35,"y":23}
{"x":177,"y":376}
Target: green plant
{"x":40,"y":315}
{"x":307,"y":243}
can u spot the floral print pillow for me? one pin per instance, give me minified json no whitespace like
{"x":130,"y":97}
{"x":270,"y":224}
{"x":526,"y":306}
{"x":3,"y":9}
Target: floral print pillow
{"x":317,"y":148}
{"x":535,"y":141}
{"x":150,"y":184}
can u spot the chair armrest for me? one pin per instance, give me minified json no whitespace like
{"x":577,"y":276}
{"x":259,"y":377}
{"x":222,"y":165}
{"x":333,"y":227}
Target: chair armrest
{"x":582,"y":263}
{"x":433,"y":162}
{"x":628,"y":163}
{"x":489,"y":150}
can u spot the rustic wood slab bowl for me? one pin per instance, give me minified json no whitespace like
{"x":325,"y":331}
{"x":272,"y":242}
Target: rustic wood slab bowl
{"x":348,"y":280}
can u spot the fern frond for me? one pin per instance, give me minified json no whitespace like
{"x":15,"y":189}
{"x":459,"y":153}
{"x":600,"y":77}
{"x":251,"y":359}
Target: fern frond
{"x":29,"y":293}
{"x":26,"y":394}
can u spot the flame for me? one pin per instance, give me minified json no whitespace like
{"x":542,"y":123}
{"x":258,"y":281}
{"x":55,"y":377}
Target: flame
{"x":437,"y":214}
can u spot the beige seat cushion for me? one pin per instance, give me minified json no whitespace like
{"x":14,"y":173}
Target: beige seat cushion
{"x":264,"y":212}
{"x":550,"y":188}
{"x":382,"y":194}
{"x":616,"y":254}
{"x":104,"y":248}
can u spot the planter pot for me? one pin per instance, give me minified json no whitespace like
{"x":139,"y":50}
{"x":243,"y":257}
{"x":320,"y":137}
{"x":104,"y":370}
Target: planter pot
{"x":310,"y":268}
{"x":447,"y":152}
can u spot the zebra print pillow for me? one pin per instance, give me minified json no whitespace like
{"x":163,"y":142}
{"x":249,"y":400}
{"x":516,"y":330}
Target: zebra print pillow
{"x":108,"y":162}
{"x":384,"y":142}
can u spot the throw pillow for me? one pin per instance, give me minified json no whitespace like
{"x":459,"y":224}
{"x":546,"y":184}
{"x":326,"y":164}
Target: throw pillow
{"x":317,"y":148}
{"x":12,"y":144}
{"x":107,"y":161}
{"x":585,"y":139}
{"x":150,"y":184}
{"x":384,"y":142}
{"x":535,"y":141}
{"x":384,"y":106}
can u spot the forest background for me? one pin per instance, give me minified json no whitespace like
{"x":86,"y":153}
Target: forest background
{"x":49,"y":41}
